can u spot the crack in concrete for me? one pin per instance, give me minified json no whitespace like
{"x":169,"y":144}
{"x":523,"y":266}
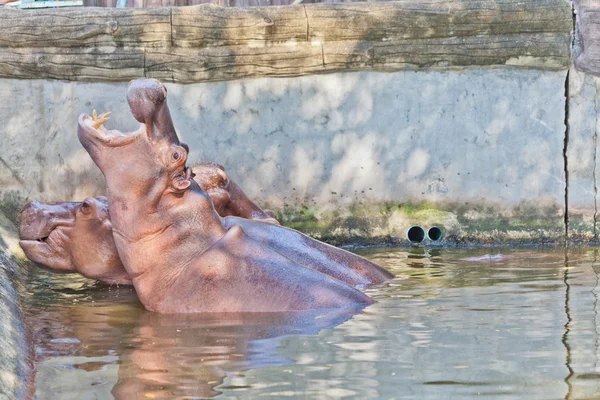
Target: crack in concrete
{"x":565,"y":158}
{"x":15,"y":175}
{"x":595,"y":141}
{"x":566,"y":139}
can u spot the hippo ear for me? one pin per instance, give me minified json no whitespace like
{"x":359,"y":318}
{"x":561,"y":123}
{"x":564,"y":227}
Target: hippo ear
{"x":180,"y":185}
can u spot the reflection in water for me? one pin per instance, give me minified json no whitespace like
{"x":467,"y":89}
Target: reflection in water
{"x":158,"y":356}
{"x":523,"y":325}
{"x":567,"y":327}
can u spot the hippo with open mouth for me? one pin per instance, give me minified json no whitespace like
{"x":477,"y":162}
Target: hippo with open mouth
{"x":181,"y":256}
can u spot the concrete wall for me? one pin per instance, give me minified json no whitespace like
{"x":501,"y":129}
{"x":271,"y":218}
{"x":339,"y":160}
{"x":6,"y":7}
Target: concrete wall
{"x":347,"y":157}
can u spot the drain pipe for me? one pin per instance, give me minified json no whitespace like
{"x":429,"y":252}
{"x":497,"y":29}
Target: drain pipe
{"x":415,"y":234}
{"x":435,"y":234}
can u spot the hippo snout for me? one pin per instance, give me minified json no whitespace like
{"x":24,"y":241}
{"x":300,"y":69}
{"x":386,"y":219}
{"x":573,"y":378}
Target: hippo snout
{"x":37,"y":219}
{"x":31,"y":219}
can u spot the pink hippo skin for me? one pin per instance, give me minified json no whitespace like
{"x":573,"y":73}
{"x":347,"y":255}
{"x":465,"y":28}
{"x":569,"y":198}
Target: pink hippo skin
{"x":171,"y":240}
{"x":77,"y":237}
{"x":72,"y":237}
{"x":70,"y":252}
{"x":227,"y":196}
{"x":229,"y":199}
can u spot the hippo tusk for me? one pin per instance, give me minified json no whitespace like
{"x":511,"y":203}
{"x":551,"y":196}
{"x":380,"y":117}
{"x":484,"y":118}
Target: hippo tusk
{"x":101,"y":119}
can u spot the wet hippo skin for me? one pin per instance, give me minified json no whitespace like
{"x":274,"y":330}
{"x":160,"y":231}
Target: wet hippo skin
{"x":172,"y":242}
{"x":77,"y":236}
{"x":72,"y":237}
{"x":227,"y":196}
{"x":90,"y":250}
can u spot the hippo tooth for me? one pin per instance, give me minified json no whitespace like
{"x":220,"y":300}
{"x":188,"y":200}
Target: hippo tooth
{"x":99,"y":120}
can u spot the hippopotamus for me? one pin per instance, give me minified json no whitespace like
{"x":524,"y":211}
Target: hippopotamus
{"x":77,"y":236}
{"x":72,"y":237}
{"x":179,"y":254}
{"x":227,"y":196}
{"x":71,"y":253}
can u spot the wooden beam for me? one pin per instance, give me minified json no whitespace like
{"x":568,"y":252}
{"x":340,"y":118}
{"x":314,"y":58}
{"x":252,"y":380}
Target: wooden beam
{"x":207,"y":43}
{"x":85,"y":27}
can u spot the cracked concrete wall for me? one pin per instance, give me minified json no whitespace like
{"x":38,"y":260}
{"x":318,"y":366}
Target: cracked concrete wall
{"x":357,"y":154}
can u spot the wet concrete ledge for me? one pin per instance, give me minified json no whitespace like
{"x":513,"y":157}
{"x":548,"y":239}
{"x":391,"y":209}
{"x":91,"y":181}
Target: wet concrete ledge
{"x":16,"y":347}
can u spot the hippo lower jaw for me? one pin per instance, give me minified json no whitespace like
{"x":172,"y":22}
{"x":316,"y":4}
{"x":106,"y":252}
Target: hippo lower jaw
{"x":48,"y":234}
{"x":91,"y":129}
{"x":46,"y":247}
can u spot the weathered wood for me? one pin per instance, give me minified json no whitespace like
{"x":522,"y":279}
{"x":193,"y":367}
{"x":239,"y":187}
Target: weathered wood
{"x":210,"y":25}
{"x":207,"y":43}
{"x":117,"y":64}
{"x":84,"y":27}
{"x":550,"y":50}
{"x":426,"y":19}
{"x":222,"y":63}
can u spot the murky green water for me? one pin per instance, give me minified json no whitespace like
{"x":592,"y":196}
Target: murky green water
{"x":521,"y":326}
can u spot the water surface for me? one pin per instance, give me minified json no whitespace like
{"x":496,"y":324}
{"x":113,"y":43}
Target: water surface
{"x":452,"y":324}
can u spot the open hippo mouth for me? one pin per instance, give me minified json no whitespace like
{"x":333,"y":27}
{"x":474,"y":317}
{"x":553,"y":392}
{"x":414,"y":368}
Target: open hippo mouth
{"x":92,"y":129}
{"x":147,"y":103}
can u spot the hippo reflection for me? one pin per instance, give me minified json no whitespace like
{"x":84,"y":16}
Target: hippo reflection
{"x":164,"y":356}
{"x":181,"y":256}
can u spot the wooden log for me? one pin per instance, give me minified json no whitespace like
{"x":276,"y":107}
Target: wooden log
{"x":210,"y":25}
{"x":426,"y":19}
{"x":116,"y":64}
{"x":547,"y":50}
{"x":84,"y":27}
{"x":207,"y":43}
{"x":222,"y":63}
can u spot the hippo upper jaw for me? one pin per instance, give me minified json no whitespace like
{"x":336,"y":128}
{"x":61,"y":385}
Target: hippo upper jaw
{"x":37,"y":220}
{"x":92,"y":131}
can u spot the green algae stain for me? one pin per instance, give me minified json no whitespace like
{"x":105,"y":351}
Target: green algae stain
{"x":386,"y":223}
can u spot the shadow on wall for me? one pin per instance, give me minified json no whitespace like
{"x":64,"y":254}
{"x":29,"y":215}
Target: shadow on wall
{"x":346,"y":138}
{"x":470,"y":137}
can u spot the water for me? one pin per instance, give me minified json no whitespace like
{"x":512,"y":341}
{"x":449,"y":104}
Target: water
{"x":521,"y":325}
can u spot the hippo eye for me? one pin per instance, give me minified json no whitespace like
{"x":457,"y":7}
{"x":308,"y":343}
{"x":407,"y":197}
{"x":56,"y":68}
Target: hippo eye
{"x":176,"y":156}
{"x":86,"y":207}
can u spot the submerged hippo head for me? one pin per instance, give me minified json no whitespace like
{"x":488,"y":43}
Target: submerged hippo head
{"x":227,"y":196}
{"x":72,"y":237}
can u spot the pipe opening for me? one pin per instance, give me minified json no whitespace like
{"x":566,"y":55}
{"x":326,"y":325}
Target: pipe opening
{"x":435,"y":233}
{"x":415,"y":234}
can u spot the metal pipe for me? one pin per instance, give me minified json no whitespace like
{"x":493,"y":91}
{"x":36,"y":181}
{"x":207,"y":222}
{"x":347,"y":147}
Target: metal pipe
{"x":415,"y":234}
{"x":435,"y":234}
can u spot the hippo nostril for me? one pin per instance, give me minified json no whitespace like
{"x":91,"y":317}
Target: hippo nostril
{"x":43,"y":240}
